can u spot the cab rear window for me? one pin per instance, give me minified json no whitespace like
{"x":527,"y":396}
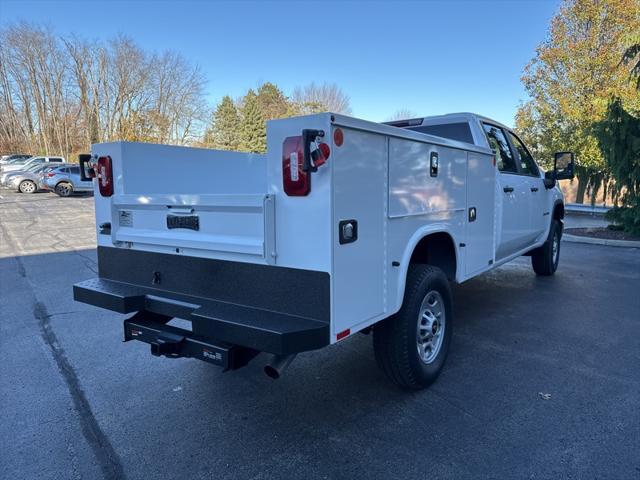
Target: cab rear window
{"x":453,"y":131}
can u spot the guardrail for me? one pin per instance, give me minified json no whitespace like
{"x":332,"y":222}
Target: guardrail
{"x":586,"y":208}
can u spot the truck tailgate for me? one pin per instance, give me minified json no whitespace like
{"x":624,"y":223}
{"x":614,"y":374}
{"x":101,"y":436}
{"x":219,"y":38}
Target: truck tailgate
{"x":238,"y":224}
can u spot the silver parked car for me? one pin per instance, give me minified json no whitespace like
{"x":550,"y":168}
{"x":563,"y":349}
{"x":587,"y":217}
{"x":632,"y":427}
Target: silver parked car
{"x":6,"y":178}
{"x":14,"y":158}
{"x":29,"y":180}
{"x":20,"y":165}
{"x":66,"y":180}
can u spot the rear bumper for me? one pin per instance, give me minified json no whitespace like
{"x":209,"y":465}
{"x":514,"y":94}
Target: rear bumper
{"x":234,"y":303}
{"x":259,"y":329}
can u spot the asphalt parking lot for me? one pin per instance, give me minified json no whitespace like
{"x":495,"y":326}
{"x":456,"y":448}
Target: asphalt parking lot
{"x":543,"y":380}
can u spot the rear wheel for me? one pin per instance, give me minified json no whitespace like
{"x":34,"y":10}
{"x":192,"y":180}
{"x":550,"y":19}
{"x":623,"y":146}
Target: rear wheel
{"x":412,"y":345}
{"x":27,"y":186}
{"x":545,"y":258}
{"x":64,"y":189}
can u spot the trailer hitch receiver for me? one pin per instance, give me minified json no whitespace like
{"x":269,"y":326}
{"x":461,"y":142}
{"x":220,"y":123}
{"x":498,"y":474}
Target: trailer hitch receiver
{"x":167,"y":344}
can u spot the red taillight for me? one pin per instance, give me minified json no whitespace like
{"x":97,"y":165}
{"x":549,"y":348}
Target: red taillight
{"x":297,"y":183}
{"x":105,"y":176}
{"x":50,"y":174}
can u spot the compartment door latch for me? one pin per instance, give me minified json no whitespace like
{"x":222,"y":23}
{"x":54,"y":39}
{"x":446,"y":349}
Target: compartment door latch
{"x":348,"y":231}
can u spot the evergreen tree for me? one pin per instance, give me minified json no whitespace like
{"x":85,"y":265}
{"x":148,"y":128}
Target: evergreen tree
{"x":273,"y":103}
{"x":253,"y":135}
{"x":224,"y":133}
{"x":619,"y":140}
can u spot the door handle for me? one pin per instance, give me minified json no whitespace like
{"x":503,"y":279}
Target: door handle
{"x":508,"y":189}
{"x":534,"y":189}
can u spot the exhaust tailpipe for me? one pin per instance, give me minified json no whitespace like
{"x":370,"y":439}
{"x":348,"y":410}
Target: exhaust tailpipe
{"x":277,"y":365}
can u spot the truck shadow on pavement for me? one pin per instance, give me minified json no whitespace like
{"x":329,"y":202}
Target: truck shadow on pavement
{"x":517,"y":338}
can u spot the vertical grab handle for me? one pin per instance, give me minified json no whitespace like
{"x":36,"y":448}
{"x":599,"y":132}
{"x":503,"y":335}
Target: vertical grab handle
{"x":308,"y":136}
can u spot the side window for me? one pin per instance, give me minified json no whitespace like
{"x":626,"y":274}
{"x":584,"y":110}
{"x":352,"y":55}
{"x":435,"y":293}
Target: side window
{"x":527,"y":164}
{"x":498,"y":142}
{"x":55,"y":159}
{"x":75,"y":170}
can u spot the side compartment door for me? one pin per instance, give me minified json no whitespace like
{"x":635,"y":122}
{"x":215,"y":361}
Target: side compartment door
{"x":359,"y":215}
{"x":481,"y":212}
{"x":513,"y":196}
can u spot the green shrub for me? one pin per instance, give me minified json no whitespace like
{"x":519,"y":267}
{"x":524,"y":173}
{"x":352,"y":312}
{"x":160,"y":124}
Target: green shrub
{"x":619,"y":140}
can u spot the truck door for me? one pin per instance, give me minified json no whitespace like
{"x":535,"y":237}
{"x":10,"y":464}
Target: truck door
{"x":513,"y":196}
{"x":538,"y":201}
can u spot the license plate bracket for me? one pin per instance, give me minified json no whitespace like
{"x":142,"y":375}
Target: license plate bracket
{"x":189,"y":222}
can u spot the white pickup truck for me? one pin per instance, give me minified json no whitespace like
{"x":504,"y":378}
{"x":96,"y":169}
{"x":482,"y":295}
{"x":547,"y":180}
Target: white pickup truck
{"x":344,"y":226}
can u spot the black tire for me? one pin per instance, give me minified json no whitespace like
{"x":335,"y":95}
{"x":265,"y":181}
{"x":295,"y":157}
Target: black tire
{"x":543,"y":259}
{"x":395,"y":339}
{"x":27,"y":186}
{"x":64,"y":189}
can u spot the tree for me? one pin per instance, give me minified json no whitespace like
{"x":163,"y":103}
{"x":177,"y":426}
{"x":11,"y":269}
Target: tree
{"x":253,"y":135}
{"x":58,"y":95}
{"x":575,"y":72}
{"x":402,"y":114}
{"x":632,"y":56}
{"x":256,"y":108}
{"x":273,"y":103}
{"x":176,"y":105}
{"x":224,"y":132}
{"x":327,"y":97}
{"x":619,"y":140}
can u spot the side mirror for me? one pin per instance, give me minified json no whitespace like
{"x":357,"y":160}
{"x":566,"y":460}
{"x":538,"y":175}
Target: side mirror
{"x":563,"y":166}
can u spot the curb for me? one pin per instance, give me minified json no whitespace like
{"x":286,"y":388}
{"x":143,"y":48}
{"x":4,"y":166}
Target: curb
{"x":600,"y":241}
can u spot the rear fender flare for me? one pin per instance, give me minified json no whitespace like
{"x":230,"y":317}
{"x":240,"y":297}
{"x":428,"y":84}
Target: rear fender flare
{"x":408,"y":252}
